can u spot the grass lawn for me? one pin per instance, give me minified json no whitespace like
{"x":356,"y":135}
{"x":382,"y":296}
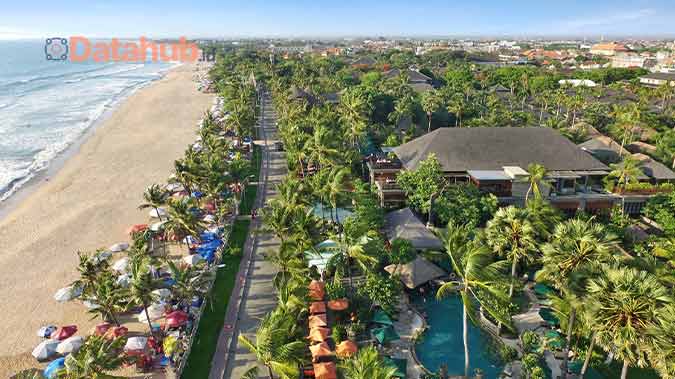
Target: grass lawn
{"x":257,"y":159}
{"x":249,"y":199}
{"x":204,"y":346}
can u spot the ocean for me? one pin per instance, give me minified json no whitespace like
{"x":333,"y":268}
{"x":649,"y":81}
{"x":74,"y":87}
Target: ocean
{"x":46,"y":106}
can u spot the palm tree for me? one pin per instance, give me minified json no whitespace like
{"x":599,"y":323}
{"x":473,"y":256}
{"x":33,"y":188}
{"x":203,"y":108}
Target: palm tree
{"x":338,"y":182}
{"x":352,"y":251}
{"x":288,"y":260}
{"x":537,"y":175}
{"x":251,"y":373}
{"x":511,"y":235}
{"x":277,"y":218}
{"x":457,"y":106}
{"x":191,"y":281}
{"x":366,"y":364}
{"x":576,"y":249}
{"x":274,"y":345}
{"x":154,"y":196}
{"x":626,"y":304}
{"x":141,"y":287}
{"x":90,"y":271}
{"x":355,"y":109}
{"x":318,"y":147}
{"x":109,"y":298}
{"x":661,"y":350}
{"x":479,"y":281}
{"x":431,"y":102}
{"x":95,"y":359}
{"x":625,"y":173}
{"x":181,"y":221}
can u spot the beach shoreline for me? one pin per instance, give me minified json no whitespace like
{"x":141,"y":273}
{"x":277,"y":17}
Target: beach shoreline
{"x":84,"y":200}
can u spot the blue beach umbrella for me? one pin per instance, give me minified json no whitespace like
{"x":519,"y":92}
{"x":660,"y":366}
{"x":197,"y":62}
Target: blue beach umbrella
{"x":54,"y":367}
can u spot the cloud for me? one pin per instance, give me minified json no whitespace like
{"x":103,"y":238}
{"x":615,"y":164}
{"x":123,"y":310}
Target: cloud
{"x":8,"y":33}
{"x":612,"y":19}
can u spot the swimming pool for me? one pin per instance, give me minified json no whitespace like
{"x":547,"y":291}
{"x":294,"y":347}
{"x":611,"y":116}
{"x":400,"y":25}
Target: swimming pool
{"x":443,"y":343}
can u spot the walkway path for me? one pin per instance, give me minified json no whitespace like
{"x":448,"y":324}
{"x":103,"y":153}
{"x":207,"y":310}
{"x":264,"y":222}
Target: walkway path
{"x":253,"y":295}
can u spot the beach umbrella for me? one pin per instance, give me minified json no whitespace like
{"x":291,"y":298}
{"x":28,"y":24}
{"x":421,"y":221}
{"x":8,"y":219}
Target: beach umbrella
{"x":64,"y":332}
{"x":45,"y":350}
{"x":46,"y":331}
{"x":53,"y":368}
{"x":155,"y":311}
{"x":338,"y":305}
{"x":121,"y":265}
{"x":346,"y":349}
{"x":70,"y":345}
{"x":67,"y":294}
{"x":190,"y":240}
{"x":157,"y":212}
{"x":169,"y":345}
{"x":176,"y":319}
{"x":123,"y":280}
{"x":193,"y":259}
{"x":90,"y":305}
{"x":317,"y":307}
{"x":548,"y":316}
{"x":136,"y":344}
{"x":321,"y":350}
{"x":317,"y":321}
{"x":385,"y":335}
{"x":157,"y":226}
{"x":101,"y":256}
{"x":381,"y":317}
{"x":118,"y":247}
{"x":318,"y":334}
{"x":325,"y":370}
{"x":116,"y":332}
{"x":137,"y":228}
{"x":162,"y":293}
{"x":102,"y":328}
{"x":209,"y":219}
{"x":174,"y":187}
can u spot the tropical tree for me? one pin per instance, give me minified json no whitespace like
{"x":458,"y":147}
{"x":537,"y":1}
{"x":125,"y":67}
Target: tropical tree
{"x":338,"y":183}
{"x":661,"y":349}
{"x":537,"y":175}
{"x":274,"y":345}
{"x":626,"y":304}
{"x":108,"y":298}
{"x":155,"y":196}
{"x":349,"y":251}
{"x":624,"y":173}
{"x":479,"y":282}
{"x":190,"y":281}
{"x":96,"y":358}
{"x":431,"y":102}
{"x":366,"y":364}
{"x":141,"y":287}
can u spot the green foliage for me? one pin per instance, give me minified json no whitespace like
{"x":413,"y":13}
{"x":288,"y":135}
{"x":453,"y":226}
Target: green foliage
{"x":335,"y":290}
{"x":339,"y":333}
{"x":402,"y":251}
{"x":661,"y":208}
{"x":382,"y":290}
{"x":465,"y":203}
{"x":531,"y":341}
{"x":419,"y":185}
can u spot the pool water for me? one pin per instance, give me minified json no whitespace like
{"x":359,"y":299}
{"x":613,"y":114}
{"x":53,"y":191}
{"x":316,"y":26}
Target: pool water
{"x":443,"y":342}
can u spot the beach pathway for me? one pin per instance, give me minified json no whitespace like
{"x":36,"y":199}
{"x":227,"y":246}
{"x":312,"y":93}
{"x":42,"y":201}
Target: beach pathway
{"x":253,"y":295}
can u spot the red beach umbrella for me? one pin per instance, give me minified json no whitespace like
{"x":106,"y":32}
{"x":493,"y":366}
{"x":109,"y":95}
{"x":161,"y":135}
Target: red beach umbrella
{"x":176,"y":319}
{"x":116,"y":332}
{"x":101,"y":329}
{"x":64,"y":332}
{"x":137,"y":228}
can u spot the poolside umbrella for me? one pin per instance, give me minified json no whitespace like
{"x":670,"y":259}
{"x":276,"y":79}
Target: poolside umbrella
{"x":137,"y":228}
{"x":381,"y":317}
{"x":321,"y":350}
{"x":157,"y":212}
{"x":118,"y":247}
{"x":346,"y":349}
{"x":46,"y":331}
{"x":70,"y":345}
{"x":554,"y":339}
{"x":325,"y":370}
{"x":121,"y":264}
{"x":415,"y":273}
{"x":385,"y":334}
{"x":100,"y":329}
{"x":193,"y":259}
{"x":64,"y":332}
{"x":542,"y":290}
{"x":136,"y":344}
{"x":548,"y":316}
{"x":67,"y":294}
{"x":317,"y":321}
{"x":176,"y":319}
{"x":318,"y":334}
{"x":116,"y":332}
{"x":45,"y":349}
{"x":338,"y":305}
{"x":53,"y":368}
{"x":317,"y":307}
{"x":400,"y":365}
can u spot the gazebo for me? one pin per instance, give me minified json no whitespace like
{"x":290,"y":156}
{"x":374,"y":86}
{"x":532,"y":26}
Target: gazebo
{"x":403,"y":224}
{"x":415,"y":273}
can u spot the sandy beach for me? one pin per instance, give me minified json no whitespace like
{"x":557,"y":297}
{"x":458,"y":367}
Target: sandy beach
{"x":89,"y":203}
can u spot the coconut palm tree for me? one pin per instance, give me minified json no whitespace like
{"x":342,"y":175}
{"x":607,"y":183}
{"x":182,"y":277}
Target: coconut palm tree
{"x":155,"y":196}
{"x":625,"y":173}
{"x":275,"y":346}
{"x":289,"y":261}
{"x":108,"y":297}
{"x":511,"y":235}
{"x":319,"y":148}
{"x":90,"y":270}
{"x":277,"y":218}
{"x":431,"y":102}
{"x":661,"y":350}
{"x":626,"y":304}
{"x":537,"y":175}
{"x":141,"y":287}
{"x":366,"y":364}
{"x":338,"y":182}
{"x":576,"y":249}
{"x":479,"y":282}
{"x":352,"y":251}
{"x":96,"y":358}
{"x":191,"y":281}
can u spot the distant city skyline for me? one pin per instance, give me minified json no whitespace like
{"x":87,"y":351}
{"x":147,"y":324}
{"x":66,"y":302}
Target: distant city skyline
{"x":322,"y":19}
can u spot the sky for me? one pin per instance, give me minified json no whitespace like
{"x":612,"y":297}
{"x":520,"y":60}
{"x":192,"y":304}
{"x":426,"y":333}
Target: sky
{"x":338,"y":18}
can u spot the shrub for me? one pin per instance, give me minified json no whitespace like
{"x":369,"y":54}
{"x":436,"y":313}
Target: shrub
{"x":531,"y":341}
{"x":339,"y":332}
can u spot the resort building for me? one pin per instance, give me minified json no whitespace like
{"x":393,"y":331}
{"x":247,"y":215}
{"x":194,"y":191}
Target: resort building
{"x":658,"y":78}
{"x":496,"y":160}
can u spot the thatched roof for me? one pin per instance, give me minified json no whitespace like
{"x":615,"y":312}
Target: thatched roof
{"x":403,"y":224}
{"x":416,"y":273}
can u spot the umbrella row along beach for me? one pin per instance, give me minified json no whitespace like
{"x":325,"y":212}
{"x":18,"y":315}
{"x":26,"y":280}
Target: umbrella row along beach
{"x":175,"y":255}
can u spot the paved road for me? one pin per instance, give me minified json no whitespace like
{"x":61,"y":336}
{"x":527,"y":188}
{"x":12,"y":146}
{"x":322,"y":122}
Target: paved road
{"x":254,"y":295}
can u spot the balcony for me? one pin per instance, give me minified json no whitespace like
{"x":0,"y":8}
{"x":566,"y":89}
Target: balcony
{"x":384,"y":164}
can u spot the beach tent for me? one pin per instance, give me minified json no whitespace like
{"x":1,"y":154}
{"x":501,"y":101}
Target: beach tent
{"x":121,"y":265}
{"x":45,"y":350}
{"x":119,"y":247}
{"x":46,"y":331}
{"x":403,"y":224}
{"x":193,"y":259}
{"x":53,"y":368}
{"x":325,"y":370}
{"x":70,"y":345}
{"x":318,"y":334}
{"x":338,"y":304}
{"x":321,"y":350}
{"x":64,"y":332}
{"x":136,"y":344}
{"x":67,"y":294}
{"x":346,"y":349}
{"x":385,"y":334}
{"x":317,"y":321}
{"x":381,"y":317}
{"x":157,"y":212}
{"x":415,"y":273}
{"x":317,"y":307}
{"x":176,"y":319}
